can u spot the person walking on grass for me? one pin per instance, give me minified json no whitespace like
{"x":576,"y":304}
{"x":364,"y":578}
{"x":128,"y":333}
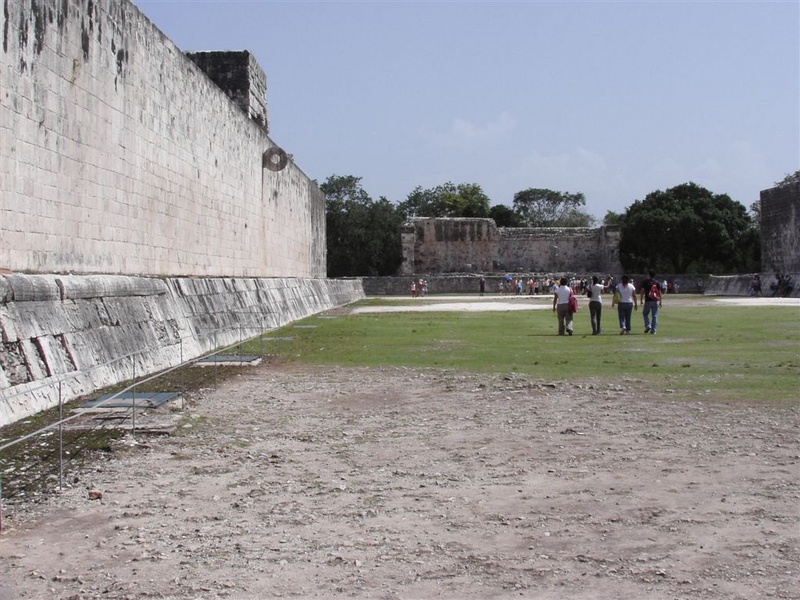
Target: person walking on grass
{"x":626,"y":304}
{"x":595,"y":294}
{"x":651,"y":301}
{"x":561,"y":307}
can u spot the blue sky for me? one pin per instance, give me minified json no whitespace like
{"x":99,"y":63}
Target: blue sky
{"x":611,"y":99}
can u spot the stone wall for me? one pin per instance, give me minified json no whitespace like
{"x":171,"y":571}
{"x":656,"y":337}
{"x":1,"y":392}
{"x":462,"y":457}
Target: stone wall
{"x":440,"y":245}
{"x":119,"y":155}
{"x":448,"y":245}
{"x":89,"y":332}
{"x":780,"y":229}
{"x":239,"y":75}
{"x":740,"y":285}
{"x":557,"y":249}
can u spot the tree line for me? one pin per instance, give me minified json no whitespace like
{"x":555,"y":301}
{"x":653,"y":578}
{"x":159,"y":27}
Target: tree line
{"x":684,"y":229}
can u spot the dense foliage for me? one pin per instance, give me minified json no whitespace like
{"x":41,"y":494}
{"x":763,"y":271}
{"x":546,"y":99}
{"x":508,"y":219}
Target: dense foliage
{"x":688,"y":229}
{"x":504,"y":216}
{"x":789,"y":179}
{"x":363,"y":236}
{"x":539,"y":207}
{"x":447,"y":200}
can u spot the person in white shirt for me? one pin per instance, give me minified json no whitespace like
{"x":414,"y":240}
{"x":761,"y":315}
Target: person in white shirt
{"x":595,"y":294}
{"x":561,"y":306}
{"x":627,"y":304}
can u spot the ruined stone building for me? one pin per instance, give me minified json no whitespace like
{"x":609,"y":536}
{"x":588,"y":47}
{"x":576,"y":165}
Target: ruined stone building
{"x":446,"y":245}
{"x":780,"y":229}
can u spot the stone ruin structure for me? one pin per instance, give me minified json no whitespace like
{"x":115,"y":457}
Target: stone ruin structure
{"x":780,"y":229}
{"x":146,"y":216}
{"x":469,"y":245}
{"x":239,"y":75}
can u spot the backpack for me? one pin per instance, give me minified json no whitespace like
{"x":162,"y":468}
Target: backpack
{"x":573,"y":303}
{"x":654,"y":293}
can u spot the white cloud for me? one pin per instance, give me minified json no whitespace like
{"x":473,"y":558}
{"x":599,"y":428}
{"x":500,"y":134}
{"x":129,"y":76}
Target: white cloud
{"x":605,"y":186}
{"x":568,"y":171}
{"x":735,"y":170}
{"x":466,"y":135}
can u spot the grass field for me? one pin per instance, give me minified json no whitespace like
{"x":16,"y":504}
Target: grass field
{"x":719,"y":352}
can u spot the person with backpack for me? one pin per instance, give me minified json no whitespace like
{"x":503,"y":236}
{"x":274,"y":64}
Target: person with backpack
{"x":651,"y":301}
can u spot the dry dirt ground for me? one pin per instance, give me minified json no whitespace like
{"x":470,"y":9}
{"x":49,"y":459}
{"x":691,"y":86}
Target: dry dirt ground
{"x":396,"y":483}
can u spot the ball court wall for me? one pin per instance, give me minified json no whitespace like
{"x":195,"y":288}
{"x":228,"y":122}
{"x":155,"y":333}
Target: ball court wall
{"x":119,"y":155}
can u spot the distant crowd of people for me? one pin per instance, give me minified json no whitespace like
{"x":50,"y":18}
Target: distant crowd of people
{"x":782,"y":286}
{"x":533,"y":286}
{"x":626,"y":296}
{"x":419,"y":288}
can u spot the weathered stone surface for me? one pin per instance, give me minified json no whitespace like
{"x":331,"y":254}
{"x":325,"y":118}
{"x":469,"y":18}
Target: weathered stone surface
{"x":444,"y":245}
{"x":780,"y":229}
{"x":108,"y":286}
{"x":90,"y":341}
{"x":238,"y":74}
{"x":25,"y":289}
{"x":119,"y":155}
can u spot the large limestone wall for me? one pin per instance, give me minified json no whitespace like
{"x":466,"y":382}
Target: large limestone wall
{"x":448,"y":245}
{"x":442,"y":245}
{"x":559,"y":249}
{"x":89,"y":332}
{"x":119,"y":155}
{"x":780,"y":229}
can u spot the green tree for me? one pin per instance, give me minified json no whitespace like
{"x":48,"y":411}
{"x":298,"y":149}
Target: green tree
{"x":467,"y":201}
{"x":576,"y":218}
{"x":750,"y":245}
{"x":363,"y":236}
{"x":504,"y":216}
{"x":539,"y":207}
{"x":789,"y":179}
{"x":425,"y":202}
{"x":612,"y":218}
{"x":685,"y":229}
{"x":755,"y":214}
{"x":750,"y":251}
{"x":447,"y":200}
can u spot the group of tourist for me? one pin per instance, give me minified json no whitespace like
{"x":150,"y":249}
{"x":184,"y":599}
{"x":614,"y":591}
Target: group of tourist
{"x":781,"y":287}
{"x":533,"y":286}
{"x":419,"y":288}
{"x":626,"y":299}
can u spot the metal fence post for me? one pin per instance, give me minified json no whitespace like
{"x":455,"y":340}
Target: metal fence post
{"x":181,"y":367}
{"x":60,"y":439}
{"x":133,"y":392}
